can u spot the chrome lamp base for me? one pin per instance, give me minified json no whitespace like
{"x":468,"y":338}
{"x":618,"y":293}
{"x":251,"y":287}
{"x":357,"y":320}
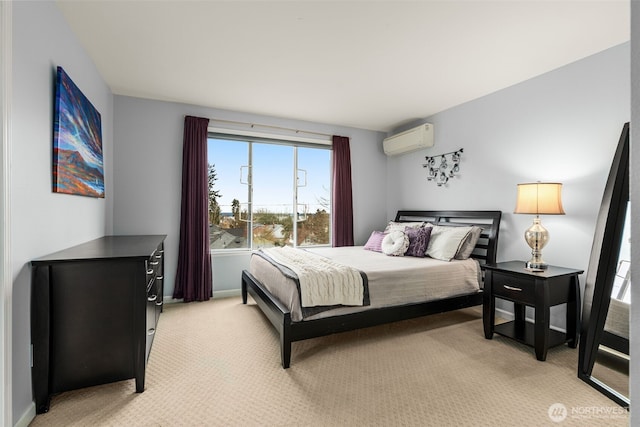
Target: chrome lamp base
{"x":537,"y":237}
{"x":535,"y":265}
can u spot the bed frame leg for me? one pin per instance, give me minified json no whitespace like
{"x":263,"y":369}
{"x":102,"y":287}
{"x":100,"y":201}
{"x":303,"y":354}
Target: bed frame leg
{"x":285,"y":341}
{"x":285,"y":354}
{"x":244,"y":290}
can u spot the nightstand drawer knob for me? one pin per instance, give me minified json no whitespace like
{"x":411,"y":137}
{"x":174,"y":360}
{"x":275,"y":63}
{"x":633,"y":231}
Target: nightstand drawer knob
{"x":511,"y":288}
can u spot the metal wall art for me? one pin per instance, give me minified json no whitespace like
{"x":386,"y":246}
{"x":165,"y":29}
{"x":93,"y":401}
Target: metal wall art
{"x":448,"y":168}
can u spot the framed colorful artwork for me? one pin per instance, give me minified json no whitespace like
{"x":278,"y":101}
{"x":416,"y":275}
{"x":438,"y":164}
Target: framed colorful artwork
{"x":77,"y":142}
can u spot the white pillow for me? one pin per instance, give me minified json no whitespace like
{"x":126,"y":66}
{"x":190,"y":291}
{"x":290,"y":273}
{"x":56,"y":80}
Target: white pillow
{"x":445,"y":241}
{"x":400,"y":226}
{"x":469,"y":243}
{"x":395,"y":243}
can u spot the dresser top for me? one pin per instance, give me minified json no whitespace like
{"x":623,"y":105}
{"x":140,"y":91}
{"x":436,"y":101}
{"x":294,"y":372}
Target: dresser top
{"x":106,"y":247}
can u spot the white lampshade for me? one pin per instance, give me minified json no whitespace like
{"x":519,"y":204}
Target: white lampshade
{"x":539,"y":198}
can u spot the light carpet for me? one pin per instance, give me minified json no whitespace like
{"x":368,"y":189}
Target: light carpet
{"x":217,"y":363}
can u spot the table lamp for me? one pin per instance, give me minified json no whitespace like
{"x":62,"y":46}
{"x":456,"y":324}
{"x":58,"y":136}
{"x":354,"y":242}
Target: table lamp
{"x":538,"y":198}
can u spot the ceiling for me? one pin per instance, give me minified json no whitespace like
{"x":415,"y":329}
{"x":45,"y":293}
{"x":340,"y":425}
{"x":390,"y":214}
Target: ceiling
{"x":367,"y":64}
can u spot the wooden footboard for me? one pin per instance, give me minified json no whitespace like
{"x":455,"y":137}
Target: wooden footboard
{"x":289,"y":331}
{"x":615,"y":342}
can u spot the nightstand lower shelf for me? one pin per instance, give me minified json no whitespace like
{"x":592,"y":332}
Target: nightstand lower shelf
{"x":526,"y":333}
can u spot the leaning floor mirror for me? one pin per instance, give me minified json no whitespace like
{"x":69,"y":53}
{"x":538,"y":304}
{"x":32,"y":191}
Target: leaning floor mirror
{"x":604,"y":343}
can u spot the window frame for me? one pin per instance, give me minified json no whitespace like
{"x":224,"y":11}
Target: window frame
{"x":274,"y":139}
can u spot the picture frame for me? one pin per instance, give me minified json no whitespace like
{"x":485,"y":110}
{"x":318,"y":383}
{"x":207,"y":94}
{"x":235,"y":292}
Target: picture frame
{"x":77,"y":141}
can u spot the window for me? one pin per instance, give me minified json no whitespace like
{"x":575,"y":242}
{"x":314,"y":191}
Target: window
{"x":265,"y":193}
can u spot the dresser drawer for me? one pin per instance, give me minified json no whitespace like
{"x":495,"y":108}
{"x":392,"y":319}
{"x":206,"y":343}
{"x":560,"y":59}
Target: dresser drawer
{"x":157,"y":256}
{"x":513,"y":288}
{"x":153,"y":266}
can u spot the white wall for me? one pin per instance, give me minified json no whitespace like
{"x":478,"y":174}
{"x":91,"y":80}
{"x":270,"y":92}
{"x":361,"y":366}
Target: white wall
{"x":148,"y":164}
{"x":634,"y":383}
{"x":42,"y":221}
{"x":562,"y":126}
{"x":6,"y":282}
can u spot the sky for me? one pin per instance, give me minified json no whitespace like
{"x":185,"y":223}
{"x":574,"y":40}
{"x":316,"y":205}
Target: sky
{"x":272,"y":175}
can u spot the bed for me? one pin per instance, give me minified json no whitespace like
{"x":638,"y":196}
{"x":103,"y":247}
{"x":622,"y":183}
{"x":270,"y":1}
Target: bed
{"x":278,"y":308}
{"x":616,"y":328}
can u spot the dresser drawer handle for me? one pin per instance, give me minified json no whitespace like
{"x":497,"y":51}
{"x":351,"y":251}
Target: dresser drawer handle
{"x":150,"y":271}
{"x":151,"y":331}
{"x":511,"y":288}
{"x":159,"y":302}
{"x":159,"y":277}
{"x":152,"y":298}
{"x":154,"y":262}
{"x":158,"y":256}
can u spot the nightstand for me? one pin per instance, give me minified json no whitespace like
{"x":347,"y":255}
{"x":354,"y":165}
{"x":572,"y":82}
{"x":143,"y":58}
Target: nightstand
{"x":540,"y":290}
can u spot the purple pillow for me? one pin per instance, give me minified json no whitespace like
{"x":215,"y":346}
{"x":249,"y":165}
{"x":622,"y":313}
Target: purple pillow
{"x":418,"y":241}
{"x":375,"y":241}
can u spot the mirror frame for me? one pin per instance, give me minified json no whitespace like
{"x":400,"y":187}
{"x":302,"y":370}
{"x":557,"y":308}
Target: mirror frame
{"x":602,"y":267}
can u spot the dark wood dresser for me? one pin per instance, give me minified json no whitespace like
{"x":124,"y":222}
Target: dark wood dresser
{"x":94,"y":311}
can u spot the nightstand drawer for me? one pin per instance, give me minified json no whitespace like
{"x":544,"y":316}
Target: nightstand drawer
{"x":513,"y":288}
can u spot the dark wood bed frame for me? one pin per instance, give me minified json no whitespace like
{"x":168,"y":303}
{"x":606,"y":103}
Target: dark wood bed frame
{"x":615,"y":342}
{"x":290,"y":331}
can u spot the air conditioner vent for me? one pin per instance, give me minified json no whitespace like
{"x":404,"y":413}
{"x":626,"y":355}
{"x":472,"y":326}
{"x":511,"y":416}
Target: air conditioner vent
{"x":409,"y":140}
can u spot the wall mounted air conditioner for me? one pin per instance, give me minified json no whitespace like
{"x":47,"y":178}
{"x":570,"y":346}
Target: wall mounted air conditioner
{"x":409,"y":140}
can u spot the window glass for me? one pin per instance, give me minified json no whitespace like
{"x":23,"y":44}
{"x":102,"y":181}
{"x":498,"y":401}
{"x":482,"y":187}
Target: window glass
{"x":228,"y":196}
{"x":314,"y":196}
{"x":272,"y":195}
{"x":265,"y":194}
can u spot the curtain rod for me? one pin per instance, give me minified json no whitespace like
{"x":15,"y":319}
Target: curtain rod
{"x":271,"y":127}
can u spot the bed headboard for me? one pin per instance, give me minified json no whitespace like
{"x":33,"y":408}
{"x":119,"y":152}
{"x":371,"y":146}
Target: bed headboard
{"x":486,"y":248}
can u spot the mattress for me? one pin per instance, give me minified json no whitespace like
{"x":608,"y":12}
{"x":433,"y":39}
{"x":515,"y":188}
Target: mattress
{"x":392,"y":280}
{"x":618,"y":318}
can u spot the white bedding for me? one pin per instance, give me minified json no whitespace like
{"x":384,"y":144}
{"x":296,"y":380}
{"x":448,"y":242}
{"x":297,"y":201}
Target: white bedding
{"x":392,"y":280}
{"x":323,"y":282}
{"x":617,"y":321}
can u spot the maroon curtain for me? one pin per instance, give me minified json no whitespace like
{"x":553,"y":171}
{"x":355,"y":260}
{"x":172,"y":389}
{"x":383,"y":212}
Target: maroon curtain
{"x":342,"y":201}
{"x":193,"y":279}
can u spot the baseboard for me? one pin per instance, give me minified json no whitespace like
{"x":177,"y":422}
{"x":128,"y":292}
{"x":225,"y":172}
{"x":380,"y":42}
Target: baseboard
{"x":167,"y":299}
{"x":507,"y":315}
{"x":227,"y":293}
{"x":216,"y":295}
{"x":27,"y":417}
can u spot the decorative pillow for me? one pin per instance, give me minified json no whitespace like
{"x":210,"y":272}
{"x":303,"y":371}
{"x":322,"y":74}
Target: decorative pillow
{"x":395,"y":243}
{"x":400,"y":226}
{"x":467,"y":245}
{"x":445,"y":241}
{"x":418,"y":241}
{"x":375,"y":241}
